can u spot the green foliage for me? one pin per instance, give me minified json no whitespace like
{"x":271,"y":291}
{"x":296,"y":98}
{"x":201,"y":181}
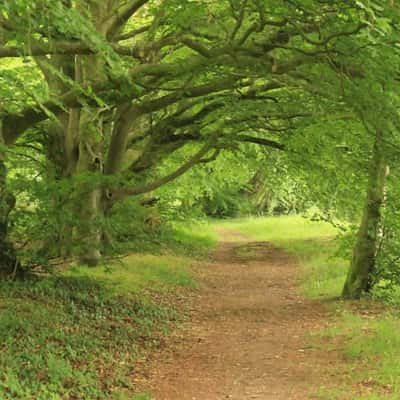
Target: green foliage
{"x":156,"y":230}
{"x":213,"y":189}
{"x":77,"y":335}
{"x":235,"y":186}
{"x":386,"y":275}
{"x":315,"y":90}
{"x":21,"y":86}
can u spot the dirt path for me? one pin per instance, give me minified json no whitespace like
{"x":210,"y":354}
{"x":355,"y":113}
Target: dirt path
{"x":249,"y":335}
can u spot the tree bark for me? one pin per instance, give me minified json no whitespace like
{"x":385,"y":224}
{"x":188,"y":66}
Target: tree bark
{"x":90,"y":161}
{"x":8,"y":258}
{"x":88,"y":232}
{"x":359,"y":277}
{"x":71,"y":153}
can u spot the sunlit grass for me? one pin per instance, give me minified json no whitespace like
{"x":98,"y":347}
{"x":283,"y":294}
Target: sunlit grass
{"x":165,"y":271}
{"x":138,"y":271}
{"x":194,"y":238}
{"x":283,"y":229}
{"x":312,"y":243}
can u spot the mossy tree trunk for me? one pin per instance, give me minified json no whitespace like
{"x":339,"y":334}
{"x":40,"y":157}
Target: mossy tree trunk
{"x":88,"y":233}
{"x":61,"y":146}
{"x":359,"y":277}
{"x":8,"y":257}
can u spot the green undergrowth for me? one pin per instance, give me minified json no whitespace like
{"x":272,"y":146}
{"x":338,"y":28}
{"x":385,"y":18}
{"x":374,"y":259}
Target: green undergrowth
{"x":365,"y":332}
{"x":76,"y":335}
{"x":72,"y":338}
{"x":192,"y":239}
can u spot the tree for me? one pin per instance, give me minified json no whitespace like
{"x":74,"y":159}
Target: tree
{"x":131,"y":85}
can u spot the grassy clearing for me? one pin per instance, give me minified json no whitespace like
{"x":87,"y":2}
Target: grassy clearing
{"x":311,"y":242}
{"x":76,"y":335}
{"x":365,"y":332}
{"x":279,"y":230}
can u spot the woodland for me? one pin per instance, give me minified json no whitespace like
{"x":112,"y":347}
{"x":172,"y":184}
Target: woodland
{"x":124,"y":122}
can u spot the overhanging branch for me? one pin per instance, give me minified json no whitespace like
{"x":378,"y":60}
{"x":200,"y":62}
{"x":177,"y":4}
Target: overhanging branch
{"x":134,"y":191}
{"x":122,"y":15}
{"x":261,"y":141}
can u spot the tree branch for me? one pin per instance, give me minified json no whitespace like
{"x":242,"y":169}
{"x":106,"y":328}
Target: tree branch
{"x":61,"y":48}
{"x":261,"y":141}
{"x":119,"y":139}
{"x":79,"y":48}
{"x":197,"y":158}
{"x":122,"y":15}
{"x":132,"y":34}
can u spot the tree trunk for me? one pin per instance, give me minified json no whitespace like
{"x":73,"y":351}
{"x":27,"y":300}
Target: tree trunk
{"x":88,"y":194}
{"x":88,"y":232}
{"x":8,"y":257}
{"x":89,"y":70}
{"x":359,"y":277}
{"x":61,"y":151}
{"x":71,"y":154}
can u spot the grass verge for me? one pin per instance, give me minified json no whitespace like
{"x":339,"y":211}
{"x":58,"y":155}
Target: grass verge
{"x":78,"y":334}
{"x":365,"y":332}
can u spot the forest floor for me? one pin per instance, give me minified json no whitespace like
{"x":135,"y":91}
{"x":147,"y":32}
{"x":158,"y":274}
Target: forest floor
{"x":248,"y":335}
{"x":259,"y":318}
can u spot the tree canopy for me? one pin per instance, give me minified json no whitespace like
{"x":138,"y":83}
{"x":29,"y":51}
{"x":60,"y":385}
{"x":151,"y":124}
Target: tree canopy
{"x":107,"y":107}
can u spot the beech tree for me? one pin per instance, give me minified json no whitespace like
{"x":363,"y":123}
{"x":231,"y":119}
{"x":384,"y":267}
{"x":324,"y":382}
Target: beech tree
{"x":118,"y":90}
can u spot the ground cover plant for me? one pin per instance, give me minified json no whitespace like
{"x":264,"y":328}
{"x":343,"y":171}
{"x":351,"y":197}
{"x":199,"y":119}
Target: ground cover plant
{"x":80,"y":332}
